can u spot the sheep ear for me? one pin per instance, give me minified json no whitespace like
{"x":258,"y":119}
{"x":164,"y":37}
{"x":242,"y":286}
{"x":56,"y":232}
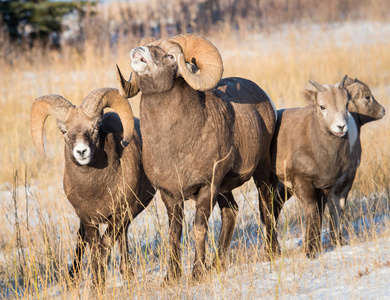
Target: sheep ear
{"x":309,"y":96}
{"x":349,"y":81}
{"x":355,"y":91}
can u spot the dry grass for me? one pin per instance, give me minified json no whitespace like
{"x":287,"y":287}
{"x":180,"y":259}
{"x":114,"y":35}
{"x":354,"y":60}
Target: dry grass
{"x":36,"y":244}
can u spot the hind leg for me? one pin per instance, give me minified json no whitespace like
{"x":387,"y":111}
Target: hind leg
{"x":229,"y":209}
{"x":268,"y":206}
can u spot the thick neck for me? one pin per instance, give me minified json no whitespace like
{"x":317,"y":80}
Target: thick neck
{"x":181,"y":108}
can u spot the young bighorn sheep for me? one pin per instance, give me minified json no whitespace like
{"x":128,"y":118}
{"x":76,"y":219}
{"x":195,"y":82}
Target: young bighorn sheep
{"x":103,"y":180}
{"x":202,"y":137}
{"x":363,"y":108}
{"x":310,"y":152}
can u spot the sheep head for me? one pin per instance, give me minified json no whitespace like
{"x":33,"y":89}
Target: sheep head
{"x":363,"y":102}
{"x":157,"y":63}
{"x":80,"y":125}
{"x":331,"y":105}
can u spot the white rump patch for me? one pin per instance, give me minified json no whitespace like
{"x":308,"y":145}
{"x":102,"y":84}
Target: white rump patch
{"x":273,"y":105}
{"x":352,"y":132}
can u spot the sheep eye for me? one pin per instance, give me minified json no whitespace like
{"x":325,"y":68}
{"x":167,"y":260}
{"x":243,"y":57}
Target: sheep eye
{"x":368,"y":97}
{"x":171,"y":56}
{"x":64,"y":131}
{"x":322,"y":107}
{"x":96,"y":127}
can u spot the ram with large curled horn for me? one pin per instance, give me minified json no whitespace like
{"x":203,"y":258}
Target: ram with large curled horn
{"x":202,"y":137}
{"x":103,"y":178}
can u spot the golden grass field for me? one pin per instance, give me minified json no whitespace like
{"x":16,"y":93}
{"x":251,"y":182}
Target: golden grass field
{"x":38,"y":227}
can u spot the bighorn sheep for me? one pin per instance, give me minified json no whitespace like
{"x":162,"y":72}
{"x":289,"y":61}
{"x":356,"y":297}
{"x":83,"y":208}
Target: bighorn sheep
{"x":310,"y":152}
{"x":363,"y":108}
{"x":103,"y":180}
{"x":202,"y":137}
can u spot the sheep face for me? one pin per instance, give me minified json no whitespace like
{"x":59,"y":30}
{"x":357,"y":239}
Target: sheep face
{"x":331,"y":107}
{"x":363,"y":102}
{"x":155,"y":66}
{"x":81,"y":135}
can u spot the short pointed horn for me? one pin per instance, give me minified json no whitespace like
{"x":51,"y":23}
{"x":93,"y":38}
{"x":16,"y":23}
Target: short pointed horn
{"x":42,"y":107}
{"x":99,"y":99}
{"x":127,"y":88}
{"x":341,"y":86}
{"x":205,"y":55}
{"x":318,"y":86}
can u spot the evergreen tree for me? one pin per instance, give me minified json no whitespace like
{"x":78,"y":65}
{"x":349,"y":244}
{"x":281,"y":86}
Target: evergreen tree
{"x":38,"y":19}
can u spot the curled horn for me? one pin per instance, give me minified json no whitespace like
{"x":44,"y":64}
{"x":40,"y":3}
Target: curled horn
{"x":197,"y":50}
{"x":42,"y":107}
{"x":99,"y":99}
{"x":127,"y":88}
{"x":318,"y":86}
{"x":341,"y":86}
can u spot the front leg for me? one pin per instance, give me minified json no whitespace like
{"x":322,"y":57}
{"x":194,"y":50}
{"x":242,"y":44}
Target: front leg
{"x":80,"y":249}
{"x":204,"y":205}
{"x":313,"y":203}
{"x":117,"y":230}
{"x":337,"y":200}
{"x":175,"y":209}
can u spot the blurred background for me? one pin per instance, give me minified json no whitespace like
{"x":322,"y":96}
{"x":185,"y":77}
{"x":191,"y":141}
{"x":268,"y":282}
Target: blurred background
{"x":71,"y":48}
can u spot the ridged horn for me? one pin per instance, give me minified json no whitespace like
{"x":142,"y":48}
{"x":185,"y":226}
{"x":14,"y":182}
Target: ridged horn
{"x":205,"y":56}
{"x":99,"y":99}
{"x":318,"y":86}
{"x":127,"y":88}
{"x":42,"y":107}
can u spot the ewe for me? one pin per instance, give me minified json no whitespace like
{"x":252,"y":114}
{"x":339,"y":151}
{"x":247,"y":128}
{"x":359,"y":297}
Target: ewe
{"x":202,"y":137}
{"x":364,"y":109}
{"x":104,"y":181}
{"x":311,"y":150}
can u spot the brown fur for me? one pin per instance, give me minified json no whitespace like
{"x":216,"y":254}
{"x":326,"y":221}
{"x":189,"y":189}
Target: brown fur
{"x":200,"y":146}
{"x":363,"y":108}
{"x":308,"y":157}
{"x":111,"y":187}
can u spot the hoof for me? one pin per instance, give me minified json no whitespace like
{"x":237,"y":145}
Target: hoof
{"x":171,"y":279}
{"x":313,"y":255}
{"x":127,"y":273}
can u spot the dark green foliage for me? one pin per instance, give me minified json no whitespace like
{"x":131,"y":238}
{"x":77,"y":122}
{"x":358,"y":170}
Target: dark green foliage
{"x":38,"y":19}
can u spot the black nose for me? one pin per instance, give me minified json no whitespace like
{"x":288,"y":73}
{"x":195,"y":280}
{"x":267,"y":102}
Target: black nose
{"x":341,"y":127}
{"x":81,"y":152}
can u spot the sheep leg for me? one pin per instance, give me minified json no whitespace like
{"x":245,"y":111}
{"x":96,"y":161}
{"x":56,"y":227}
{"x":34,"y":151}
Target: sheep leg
{"x":204,"y":206}
{"x":313,"y":204}
{"x":175,"y":209}
{"x":80,"y":249}
{"x":337,"y":200}
{"x":229,"y":209}
{"x":116,"y":230}
{"x":92,"y":238}
{"x":337,"y":204}
{"x":125,"y":267}
{"x":280,"y":195}
{"x":268,"y":209}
